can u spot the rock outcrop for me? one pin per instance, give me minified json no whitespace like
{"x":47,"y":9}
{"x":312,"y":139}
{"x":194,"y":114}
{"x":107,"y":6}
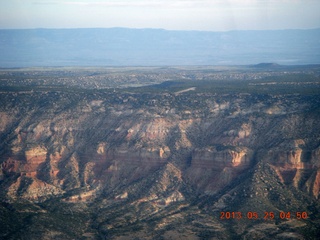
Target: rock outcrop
{"x":212,"y":169}
{"x":64,"y":149}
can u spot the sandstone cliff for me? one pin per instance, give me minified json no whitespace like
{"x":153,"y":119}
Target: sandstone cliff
{"x":64,"y":149}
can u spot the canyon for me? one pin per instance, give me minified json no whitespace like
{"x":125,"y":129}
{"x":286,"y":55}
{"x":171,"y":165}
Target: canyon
{"x":161,"y":161}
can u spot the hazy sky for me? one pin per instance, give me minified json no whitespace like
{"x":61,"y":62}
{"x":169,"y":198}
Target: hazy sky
{"x":212,"y":15}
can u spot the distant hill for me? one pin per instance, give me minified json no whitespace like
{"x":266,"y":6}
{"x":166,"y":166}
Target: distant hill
{"x":266,"y":65}
{"x":133,"y":47}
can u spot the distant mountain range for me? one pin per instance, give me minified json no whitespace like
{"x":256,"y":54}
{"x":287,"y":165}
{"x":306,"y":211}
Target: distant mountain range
{"x":153,"y":47}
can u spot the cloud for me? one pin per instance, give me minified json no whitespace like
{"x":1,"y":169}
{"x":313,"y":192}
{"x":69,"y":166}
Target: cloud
{"x":150,"y":3}
{"x":128,"y":3}
{"x":170,"y":3}
{"x":170,"y":14}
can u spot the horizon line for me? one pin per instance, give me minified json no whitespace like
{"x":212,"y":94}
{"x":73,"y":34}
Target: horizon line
{"x":163,"y":29}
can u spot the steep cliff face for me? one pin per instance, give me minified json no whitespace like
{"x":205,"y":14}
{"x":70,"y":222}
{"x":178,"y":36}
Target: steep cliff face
{"x":67,"y":148}
{"x":212,"y":169}
{"x":296,"y":165}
